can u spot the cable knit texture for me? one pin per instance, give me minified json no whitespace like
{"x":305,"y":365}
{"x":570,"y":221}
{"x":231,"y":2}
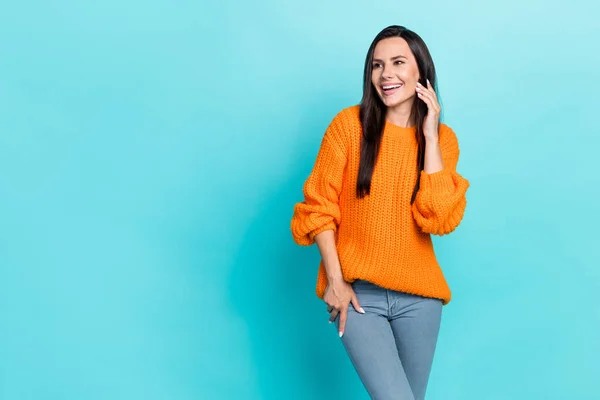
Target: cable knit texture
{"x":382,"y":238}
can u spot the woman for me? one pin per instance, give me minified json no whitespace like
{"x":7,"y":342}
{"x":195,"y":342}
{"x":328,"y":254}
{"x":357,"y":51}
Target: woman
{"x":384,"y":180}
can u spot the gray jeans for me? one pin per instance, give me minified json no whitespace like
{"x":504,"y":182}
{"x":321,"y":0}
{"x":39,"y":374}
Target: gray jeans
{"x":392,"y":345}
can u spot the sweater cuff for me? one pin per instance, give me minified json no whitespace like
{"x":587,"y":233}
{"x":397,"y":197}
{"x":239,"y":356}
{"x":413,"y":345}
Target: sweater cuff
{"x":329,"y":226}
{"x":438,"y":182}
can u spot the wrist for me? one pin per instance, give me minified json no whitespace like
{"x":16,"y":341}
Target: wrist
{"x":432,"y":141}
{"x":335,"y":277}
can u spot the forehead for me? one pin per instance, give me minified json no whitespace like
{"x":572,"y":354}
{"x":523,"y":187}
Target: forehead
{"x":391,"y":47}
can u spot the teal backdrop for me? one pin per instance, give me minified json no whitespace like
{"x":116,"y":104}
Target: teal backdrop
{"x":151,"y":153}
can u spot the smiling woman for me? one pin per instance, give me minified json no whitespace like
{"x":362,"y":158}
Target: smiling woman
{"x":384,"y":180}
{"x":402,"y":70}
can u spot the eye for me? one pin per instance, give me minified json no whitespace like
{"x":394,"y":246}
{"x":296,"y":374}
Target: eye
{"x":398,"y":62}
{"x":376,"y":65}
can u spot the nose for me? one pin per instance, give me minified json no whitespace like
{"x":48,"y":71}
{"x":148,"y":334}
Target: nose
{"x":387,"y":73}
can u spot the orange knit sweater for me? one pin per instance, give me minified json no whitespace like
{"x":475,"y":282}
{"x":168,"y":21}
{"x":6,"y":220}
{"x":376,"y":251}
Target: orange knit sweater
{"x":382,"y":238}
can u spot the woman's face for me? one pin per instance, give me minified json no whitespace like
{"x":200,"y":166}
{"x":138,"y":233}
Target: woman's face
{"x":395,"y":72}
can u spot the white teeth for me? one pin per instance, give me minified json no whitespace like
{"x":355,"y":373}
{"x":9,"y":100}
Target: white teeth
{"x":391,"y":87}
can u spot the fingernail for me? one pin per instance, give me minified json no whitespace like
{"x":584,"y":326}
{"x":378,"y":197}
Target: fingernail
{"x":341,"y":333}
{"x":361,"y":310}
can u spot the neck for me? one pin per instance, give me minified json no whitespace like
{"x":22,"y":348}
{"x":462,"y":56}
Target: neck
{"x":400,"y":114}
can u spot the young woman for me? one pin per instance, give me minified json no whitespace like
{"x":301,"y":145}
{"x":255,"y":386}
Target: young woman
{"x":384,"y":180}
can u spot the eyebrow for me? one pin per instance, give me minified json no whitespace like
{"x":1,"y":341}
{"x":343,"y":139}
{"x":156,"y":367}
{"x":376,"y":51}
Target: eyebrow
{"x":393,"y":58}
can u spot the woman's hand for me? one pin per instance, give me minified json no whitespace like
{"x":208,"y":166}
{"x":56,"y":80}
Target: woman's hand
{"x":338,"y":295}
{"x":432,"y":119}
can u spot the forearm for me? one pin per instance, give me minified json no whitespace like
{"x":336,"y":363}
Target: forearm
{"x":433,"y":156}
{"x":326,"y":244}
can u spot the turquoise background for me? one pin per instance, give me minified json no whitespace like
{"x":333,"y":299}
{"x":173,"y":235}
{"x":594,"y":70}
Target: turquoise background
{"x":151,"y":153}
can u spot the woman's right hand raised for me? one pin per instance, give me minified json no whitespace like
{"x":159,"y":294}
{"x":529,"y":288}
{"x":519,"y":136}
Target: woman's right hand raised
{"x":338,"y":295}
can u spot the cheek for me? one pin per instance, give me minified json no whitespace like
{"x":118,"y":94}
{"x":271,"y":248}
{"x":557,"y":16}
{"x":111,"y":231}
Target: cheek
{"x":410,"y":75}
{"x":374,"y":76}
{"x":375,"y":80}
{"x":415,"y":75}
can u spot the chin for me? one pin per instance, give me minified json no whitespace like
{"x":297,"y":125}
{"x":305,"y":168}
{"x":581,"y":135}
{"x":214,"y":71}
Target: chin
{"x":392,"y":102}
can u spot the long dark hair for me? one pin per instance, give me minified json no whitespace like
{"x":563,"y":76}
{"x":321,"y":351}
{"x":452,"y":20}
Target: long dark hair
{"x":373,"y":111}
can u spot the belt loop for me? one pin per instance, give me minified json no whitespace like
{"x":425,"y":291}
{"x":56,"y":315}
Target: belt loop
{"x":389,"y":310}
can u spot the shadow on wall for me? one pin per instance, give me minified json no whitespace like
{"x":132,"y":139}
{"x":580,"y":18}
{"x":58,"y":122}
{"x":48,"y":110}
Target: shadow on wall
{"x":297,"y":354}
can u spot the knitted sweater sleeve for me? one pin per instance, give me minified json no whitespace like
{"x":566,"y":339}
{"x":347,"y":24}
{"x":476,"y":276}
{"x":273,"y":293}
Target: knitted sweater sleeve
{"x":440,"y":202}
{"x":320,"y":209}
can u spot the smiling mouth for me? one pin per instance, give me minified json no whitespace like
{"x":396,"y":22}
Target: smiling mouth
{"x":389,"y":90}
